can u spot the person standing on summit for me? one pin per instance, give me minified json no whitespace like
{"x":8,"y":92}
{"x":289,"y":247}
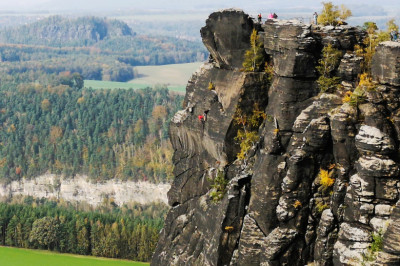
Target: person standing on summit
{"x":393,"y":35}
{"x":315,"y":16}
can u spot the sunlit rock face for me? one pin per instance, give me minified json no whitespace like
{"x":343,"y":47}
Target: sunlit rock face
{"x":276,"y":209}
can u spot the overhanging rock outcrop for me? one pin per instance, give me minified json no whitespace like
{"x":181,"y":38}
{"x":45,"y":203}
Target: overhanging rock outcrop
{"x":277,"y":210}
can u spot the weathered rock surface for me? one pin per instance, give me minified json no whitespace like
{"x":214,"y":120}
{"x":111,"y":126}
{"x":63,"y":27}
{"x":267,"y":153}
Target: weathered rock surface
{"x":277,"y":209}
{"x":350,"y":67}
{"x":227,"y":37}
{"x":387,"y":63}
{"x":80,"y":189}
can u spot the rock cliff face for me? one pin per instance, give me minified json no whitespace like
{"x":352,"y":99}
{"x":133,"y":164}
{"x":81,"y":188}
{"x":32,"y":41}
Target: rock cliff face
{"x":277,"y":210}
{"x":80,"y":189}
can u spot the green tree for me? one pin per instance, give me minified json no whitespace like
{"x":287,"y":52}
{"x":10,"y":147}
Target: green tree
{"x":82,"y":236}
{"x":327,"y":64}
{"x":113,"y":240}
{"x":333,"y":15}
{"x":144,"y":253}
{"x":254,"y":57}
{"x":11,"y":232}
{"x":44,"y":232}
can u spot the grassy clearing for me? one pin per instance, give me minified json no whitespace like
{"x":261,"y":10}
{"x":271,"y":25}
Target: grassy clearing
{"x":174,"y":76}
{"x":100,"y":84}
{"x":22,"y":257}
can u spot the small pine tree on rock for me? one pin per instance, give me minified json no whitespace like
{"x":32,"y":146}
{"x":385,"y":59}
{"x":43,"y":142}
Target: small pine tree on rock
{"x":254,"y":58}
{"x":327,"y":64}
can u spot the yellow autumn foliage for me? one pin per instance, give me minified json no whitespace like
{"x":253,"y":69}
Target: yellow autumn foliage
{"x":326,"y":181}
{"x":297,"y":204}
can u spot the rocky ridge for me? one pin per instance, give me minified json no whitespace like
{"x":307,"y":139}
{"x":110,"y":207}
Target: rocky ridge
{"x":276,"y":210}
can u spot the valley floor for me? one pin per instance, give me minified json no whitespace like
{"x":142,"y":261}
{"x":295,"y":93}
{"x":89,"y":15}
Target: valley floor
{"x":22,"y":257}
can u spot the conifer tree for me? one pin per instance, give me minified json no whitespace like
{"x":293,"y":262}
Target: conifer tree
{"x":327,"y":64}
{"x":253,"y":58}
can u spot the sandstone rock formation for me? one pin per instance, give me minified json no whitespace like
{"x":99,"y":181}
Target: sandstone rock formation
{"x":277,"y":210}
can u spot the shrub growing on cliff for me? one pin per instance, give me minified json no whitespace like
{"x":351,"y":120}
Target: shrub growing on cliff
{"x":326,"y":180}
{"x":358,"y":96}
{"x":211,"y":86}
{"x":218,"y":186}
{"x":366,"y":82}
{"x":375,"y":247}
{"x":327,"y":64}
{"x":247,"y":135}
{"x":253,"y":58}
{"x":333,"y":15}
{"x":269,"y":70}
{"x":320,"y":207}
{"x":247,"y":140}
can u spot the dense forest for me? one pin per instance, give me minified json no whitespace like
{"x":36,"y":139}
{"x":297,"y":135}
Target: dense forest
{"x":64,"y":129}
{"x":98,"y":49}
{"x":48,"y":225}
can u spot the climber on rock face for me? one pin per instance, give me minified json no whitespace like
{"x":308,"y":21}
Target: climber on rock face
{"x":259,"y":18}
{"x":201,"y":118}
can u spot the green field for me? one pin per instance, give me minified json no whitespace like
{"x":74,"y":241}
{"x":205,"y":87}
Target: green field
{"x":99,"y":84}
{"x":29,"y":257}
{"x":174,"y":76}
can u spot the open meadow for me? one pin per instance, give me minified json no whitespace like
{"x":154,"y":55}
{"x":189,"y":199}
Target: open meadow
{"x":173,"y":76}
{"x":32,"y":257}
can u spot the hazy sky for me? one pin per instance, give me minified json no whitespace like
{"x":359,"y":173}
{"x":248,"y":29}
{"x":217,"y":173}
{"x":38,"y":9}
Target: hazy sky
{"x":365,"y":10}
{"x":179,"y":4}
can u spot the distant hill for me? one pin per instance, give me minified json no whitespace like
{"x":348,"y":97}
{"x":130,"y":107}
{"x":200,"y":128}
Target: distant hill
{"x":60,"y":31}
{"x":96,"y":48}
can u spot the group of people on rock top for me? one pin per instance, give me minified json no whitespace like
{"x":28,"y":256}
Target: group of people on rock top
{"x":270,"y":16}
{"x":275,"y":16}
{"x":394,"y":36}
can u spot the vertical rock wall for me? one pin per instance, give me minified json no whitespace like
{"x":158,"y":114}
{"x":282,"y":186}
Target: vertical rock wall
{"x":276,"y":212}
